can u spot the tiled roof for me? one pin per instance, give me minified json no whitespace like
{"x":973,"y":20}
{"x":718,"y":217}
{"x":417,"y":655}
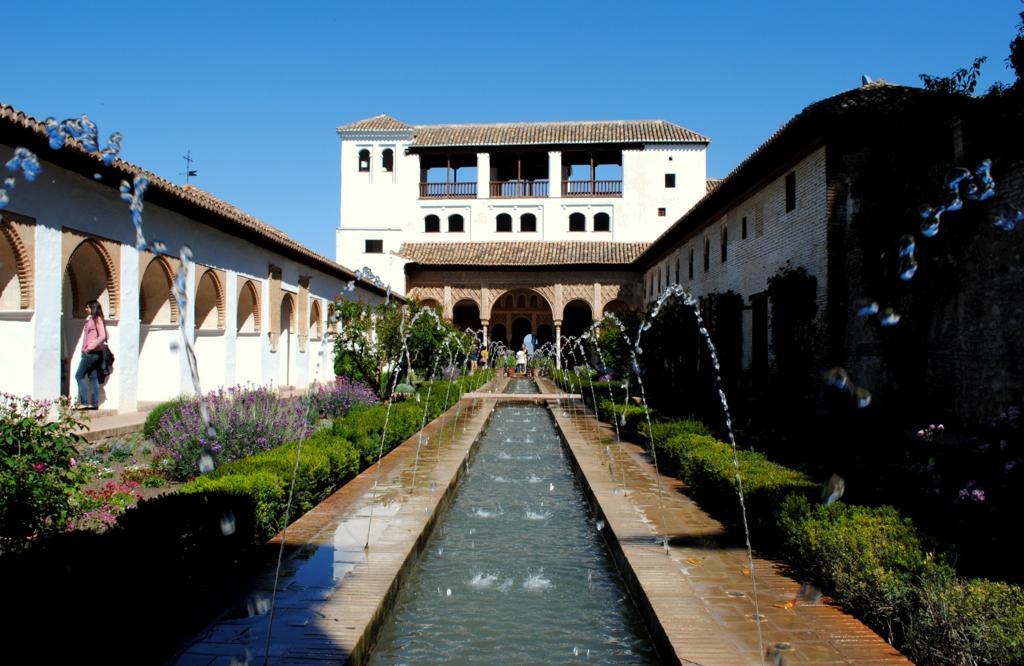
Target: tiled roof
{"x":522,"y":253}
{"x":521,"y":134}
{"x":74,"y":156}
{"x":377,"y":123}
{"x":711,"y":183}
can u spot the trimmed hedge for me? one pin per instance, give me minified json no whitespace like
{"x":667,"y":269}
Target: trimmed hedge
{"x":869,"y":559}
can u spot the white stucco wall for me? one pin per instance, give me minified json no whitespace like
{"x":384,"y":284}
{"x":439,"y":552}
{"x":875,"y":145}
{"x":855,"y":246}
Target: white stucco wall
{"x":378,"y":205}
{"x":146,"y":367}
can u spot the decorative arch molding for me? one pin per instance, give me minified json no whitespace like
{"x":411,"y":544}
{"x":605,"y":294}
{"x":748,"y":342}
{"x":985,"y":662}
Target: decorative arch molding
{"x":316,"y":320}
{"x":146,"y":260}
{"x":248,"y":286}
{"x":578,"y":292}
{"x":72,"y":242}
{"x":220,"y":300}
{"x":496,"y":291}
{"x":614,"y":292}
{"x":22,"y":260}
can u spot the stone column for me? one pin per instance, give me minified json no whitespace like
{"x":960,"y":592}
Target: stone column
{"x":558,"y":344}
{"x":555,"y":174}
{"x":483,"y":175}
{"x":128,"y":332}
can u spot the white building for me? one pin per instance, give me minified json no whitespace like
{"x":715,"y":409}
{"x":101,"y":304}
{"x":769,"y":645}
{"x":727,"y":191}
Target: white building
{"x":258,"y":301}
{"x":610,"y":181}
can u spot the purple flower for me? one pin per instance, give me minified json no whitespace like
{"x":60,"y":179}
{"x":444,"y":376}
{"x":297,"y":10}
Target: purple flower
{"x":39,"y":467}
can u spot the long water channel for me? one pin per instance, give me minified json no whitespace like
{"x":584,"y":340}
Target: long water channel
{"x":516,"y":571}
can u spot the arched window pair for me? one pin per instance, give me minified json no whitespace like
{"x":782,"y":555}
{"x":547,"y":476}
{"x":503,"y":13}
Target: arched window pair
{"x":578,"y":222}
{"x":387,"y":160}
{"x":432,"y":224}
{"x":527,"y":222}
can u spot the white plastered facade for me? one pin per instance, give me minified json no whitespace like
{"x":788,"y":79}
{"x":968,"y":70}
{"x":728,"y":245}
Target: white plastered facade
{"x":386,"y":206}
{"x":77,"y":242}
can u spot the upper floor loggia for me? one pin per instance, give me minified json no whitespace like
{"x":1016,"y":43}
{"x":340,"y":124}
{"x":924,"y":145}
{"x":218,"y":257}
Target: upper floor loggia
{"x":509,"y":160}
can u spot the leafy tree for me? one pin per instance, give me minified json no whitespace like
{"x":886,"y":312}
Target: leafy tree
{"x":374,"y":340}
{"x":961,"y":82}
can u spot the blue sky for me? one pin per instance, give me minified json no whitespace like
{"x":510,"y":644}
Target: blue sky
{"x":256,"y":90}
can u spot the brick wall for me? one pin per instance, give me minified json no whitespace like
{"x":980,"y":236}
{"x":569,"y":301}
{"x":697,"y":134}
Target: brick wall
{"x":775,"y":239}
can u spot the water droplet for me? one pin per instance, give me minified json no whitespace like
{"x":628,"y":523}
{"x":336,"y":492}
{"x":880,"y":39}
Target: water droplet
{"x":908,"y":267}
{"x":866,"y":307}
{"x":205,"y":463}
{"x":834,"y":489}
{"x":930,"y":226}
{"x":97,"y":176}
{"x":173,"y":345}
{"x":227,"y":524}
{"x":837,"y":377}
{"x":888,"y":317}
{"x":862,"y":397}
{"x":4,"y":198}
{"x":1007,"y":217}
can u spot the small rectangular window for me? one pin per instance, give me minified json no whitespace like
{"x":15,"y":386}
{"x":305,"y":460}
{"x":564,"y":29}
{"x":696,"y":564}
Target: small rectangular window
{"x":690,"y":271}
{"x":707,"y":254}
{"x":743,"y":229}
{"x":790,"y":191}
{"x":670,"y":180}
{"x":374,"y":247}
{"x":661,"y":212}
{"x":725,"y":243}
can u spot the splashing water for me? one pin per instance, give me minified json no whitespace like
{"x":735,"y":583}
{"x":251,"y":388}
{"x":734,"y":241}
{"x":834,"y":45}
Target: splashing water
{"x":839,"y":378}
{"x":24,"y":161}
{"x":888,"y":317}
{"x":834,"y":489}
{"x":908,"y":263}
{"x":677,"y":292}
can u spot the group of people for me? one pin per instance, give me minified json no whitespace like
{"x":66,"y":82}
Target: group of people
{"x":479,"y":360}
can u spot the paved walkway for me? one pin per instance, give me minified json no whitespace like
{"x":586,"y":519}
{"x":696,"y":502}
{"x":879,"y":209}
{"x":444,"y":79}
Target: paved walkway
{"x":697,"y":590}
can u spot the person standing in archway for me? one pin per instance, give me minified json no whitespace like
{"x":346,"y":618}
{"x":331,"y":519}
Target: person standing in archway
{"x":521,"y":360}
{"x":88,"y":375}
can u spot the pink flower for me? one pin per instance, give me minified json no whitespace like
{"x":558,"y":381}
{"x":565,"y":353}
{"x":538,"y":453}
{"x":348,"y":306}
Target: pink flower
{"x":39,"y":467}
{"x":74,"y":463}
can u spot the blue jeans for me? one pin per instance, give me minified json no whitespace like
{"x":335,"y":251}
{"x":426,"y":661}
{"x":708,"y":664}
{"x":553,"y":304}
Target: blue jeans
{"x":89,"y":373}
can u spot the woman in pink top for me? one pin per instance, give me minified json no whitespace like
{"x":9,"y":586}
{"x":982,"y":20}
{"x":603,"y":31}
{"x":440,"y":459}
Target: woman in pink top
{"x":92,"y":356}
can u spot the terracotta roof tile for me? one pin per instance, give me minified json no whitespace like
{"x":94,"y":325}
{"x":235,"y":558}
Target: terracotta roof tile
{"x":13,"y":121}
{"x":521,"y":134}
{"x":711,"y":183}
{"x":377,"y":123}
{"x":523,"y":253}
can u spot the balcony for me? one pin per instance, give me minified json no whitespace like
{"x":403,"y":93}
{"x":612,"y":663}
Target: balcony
{"x":591,"y":188}
{"x":518,"y":189}
{"x":448,"y":190}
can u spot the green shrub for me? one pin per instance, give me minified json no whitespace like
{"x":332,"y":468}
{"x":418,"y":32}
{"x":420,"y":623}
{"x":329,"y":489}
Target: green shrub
{"x":38,"y":475}
{"x":267,"y":491}
{"x":869,"y":559}
{"x":956,"y":621}
{"x":153,"y":418}
{"x":708,"y":467}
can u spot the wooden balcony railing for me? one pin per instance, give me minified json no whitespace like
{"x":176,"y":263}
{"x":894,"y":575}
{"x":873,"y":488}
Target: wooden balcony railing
{"x":519,"y":188}
{"x":591,"y":188}
{"x":447,"y":190}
